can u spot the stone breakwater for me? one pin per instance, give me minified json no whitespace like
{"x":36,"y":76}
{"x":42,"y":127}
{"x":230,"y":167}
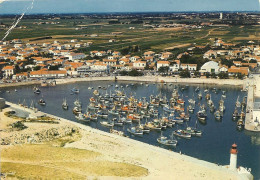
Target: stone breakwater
{"x":28,"y":136}
{"x":157,"y":79}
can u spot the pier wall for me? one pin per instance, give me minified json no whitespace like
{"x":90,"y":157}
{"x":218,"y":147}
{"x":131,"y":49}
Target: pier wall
{"x":252,"y":119}
{"x":157,"y":79}
{"x":161,"y":79}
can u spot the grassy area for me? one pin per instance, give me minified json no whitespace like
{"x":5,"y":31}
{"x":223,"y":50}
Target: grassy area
{"x":46,"y":161}
{"x":30,"y":171}
{"x":147,"y":39}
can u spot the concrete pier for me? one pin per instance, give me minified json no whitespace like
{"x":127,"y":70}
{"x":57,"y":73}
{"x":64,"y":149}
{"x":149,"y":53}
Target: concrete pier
{"x":252,"y":120}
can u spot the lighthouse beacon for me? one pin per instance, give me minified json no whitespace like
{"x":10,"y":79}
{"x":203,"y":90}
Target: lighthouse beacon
{"x":233,"y":158}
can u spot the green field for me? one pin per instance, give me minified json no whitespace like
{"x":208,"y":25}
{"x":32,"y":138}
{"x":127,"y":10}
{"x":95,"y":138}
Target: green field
{"x":145,"y":38}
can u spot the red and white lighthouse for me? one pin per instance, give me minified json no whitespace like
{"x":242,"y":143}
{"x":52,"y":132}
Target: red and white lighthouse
{"x":233,"y":157}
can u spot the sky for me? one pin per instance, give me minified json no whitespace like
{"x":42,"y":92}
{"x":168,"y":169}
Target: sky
{"x":90,"y":6}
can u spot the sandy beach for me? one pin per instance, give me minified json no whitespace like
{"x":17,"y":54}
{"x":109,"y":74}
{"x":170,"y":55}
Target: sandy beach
{"x":154,"y":79}
{"x":102,"y":155}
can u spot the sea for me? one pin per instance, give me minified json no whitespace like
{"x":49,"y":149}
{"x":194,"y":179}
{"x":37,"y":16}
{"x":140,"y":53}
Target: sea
{"x":214,"y":144}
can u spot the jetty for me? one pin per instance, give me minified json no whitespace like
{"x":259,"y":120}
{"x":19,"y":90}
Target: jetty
{"x":252,"y":120}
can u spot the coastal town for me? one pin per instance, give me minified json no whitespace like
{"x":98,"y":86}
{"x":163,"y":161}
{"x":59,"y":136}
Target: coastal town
{"x":24,"y":60}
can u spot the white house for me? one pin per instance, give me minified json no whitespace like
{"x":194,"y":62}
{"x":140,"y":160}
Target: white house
{"x":149,"y":53}
{"x":139,"y":64}
{"x":8,"y":71}
{"x":223,"y":69}
{"x":109,"y":62}
{"x":134,"y":58}
{"x":98,"y":66}
{"x":210,"y":67}
{"x":48,"y":74}
{"x":174,"y":67}
{"x":162,"y":64}
{"x":190,"y":67}
{"x":76,"y":56}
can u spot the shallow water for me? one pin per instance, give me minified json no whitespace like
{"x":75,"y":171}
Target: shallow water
{"x":213,"y":146}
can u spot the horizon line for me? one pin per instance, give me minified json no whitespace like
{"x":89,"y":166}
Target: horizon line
{"x":137,"y":12}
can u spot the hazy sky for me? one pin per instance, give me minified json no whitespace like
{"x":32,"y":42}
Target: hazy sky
{"x":88,"y":6}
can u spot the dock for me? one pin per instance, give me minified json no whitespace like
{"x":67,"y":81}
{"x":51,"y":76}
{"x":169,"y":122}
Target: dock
{"x":252,"y":119}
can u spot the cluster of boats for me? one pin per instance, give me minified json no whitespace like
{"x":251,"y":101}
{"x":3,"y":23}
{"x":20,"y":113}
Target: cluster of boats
{"x":239,"y":113}
{"x":118,"y":109}
{"x":153,"y":113}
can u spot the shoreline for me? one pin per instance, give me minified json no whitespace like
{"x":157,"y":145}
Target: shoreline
{"x":154,"y":79}
{"x":163,"y":153}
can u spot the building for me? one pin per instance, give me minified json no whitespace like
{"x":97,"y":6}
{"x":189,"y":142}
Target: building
{"x":238,"y":70}
{"x":76,"y":56}
{"x":110,"y":62}
{"x":162,"y":64}
{"x":244,"y":173}
{"x":189,"y":67}
{"x":166,"y":55}
{"x":99,"y":66}
{"x":149,"y":53}
{"x":139,"y":65}
{"x":8,"y":71}
{"x":210,"y":67}
{"x":48,"y":74}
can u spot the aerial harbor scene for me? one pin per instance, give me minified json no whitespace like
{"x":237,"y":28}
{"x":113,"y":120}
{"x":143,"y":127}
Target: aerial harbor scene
{"x":130,"y":89}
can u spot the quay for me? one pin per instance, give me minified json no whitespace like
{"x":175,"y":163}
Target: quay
{"x":252,"y":120}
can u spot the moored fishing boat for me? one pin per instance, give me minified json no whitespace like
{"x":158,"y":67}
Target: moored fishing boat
{"x":77,"y":103}
{"x":193,"y":131}
{"x":76,"y":110}
{"x":238,"y":104}
{"x":167,"y":142}
{"x":240,"y":124}
{"x":202,"y":116}
{"x":182,"y":134}
{"x":135,"y":131}
{"x":235,"y":114}
{"x":65,"y":105}
{"x":37,"y":90}
{"x":218,"y":115}
{"x":75,"y":90}
{"x":42,"y":102}
{"x":113,"y":131}
{"x":107,"y":123}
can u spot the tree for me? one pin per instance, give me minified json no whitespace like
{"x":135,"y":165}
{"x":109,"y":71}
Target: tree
{"x":54,"y":67}
{"x":123,"y":73}
{"x":223,"y":75}
{"x":163,"y":69}
{"x":240,"y":76}
{"x":135,"y":73}
{"x":185,"y":74}
{"x":37,"y":68}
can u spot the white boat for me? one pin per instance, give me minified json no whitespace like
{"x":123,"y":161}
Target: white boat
{"x":37,"y":90}
{"x":182,"y":133}
{"x":77,"y":103}
{"x":135,"y":131}
{"x":75,"y":90}
{"x":42,"y":102}
{"x":107,"y":124}
{"x":80,"y":117}
{"x":65,"y":105}
{"x":167,"y":142}
{"x":238,"y":104}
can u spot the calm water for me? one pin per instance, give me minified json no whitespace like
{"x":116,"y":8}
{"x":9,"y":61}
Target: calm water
{"x":213,"y":146}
